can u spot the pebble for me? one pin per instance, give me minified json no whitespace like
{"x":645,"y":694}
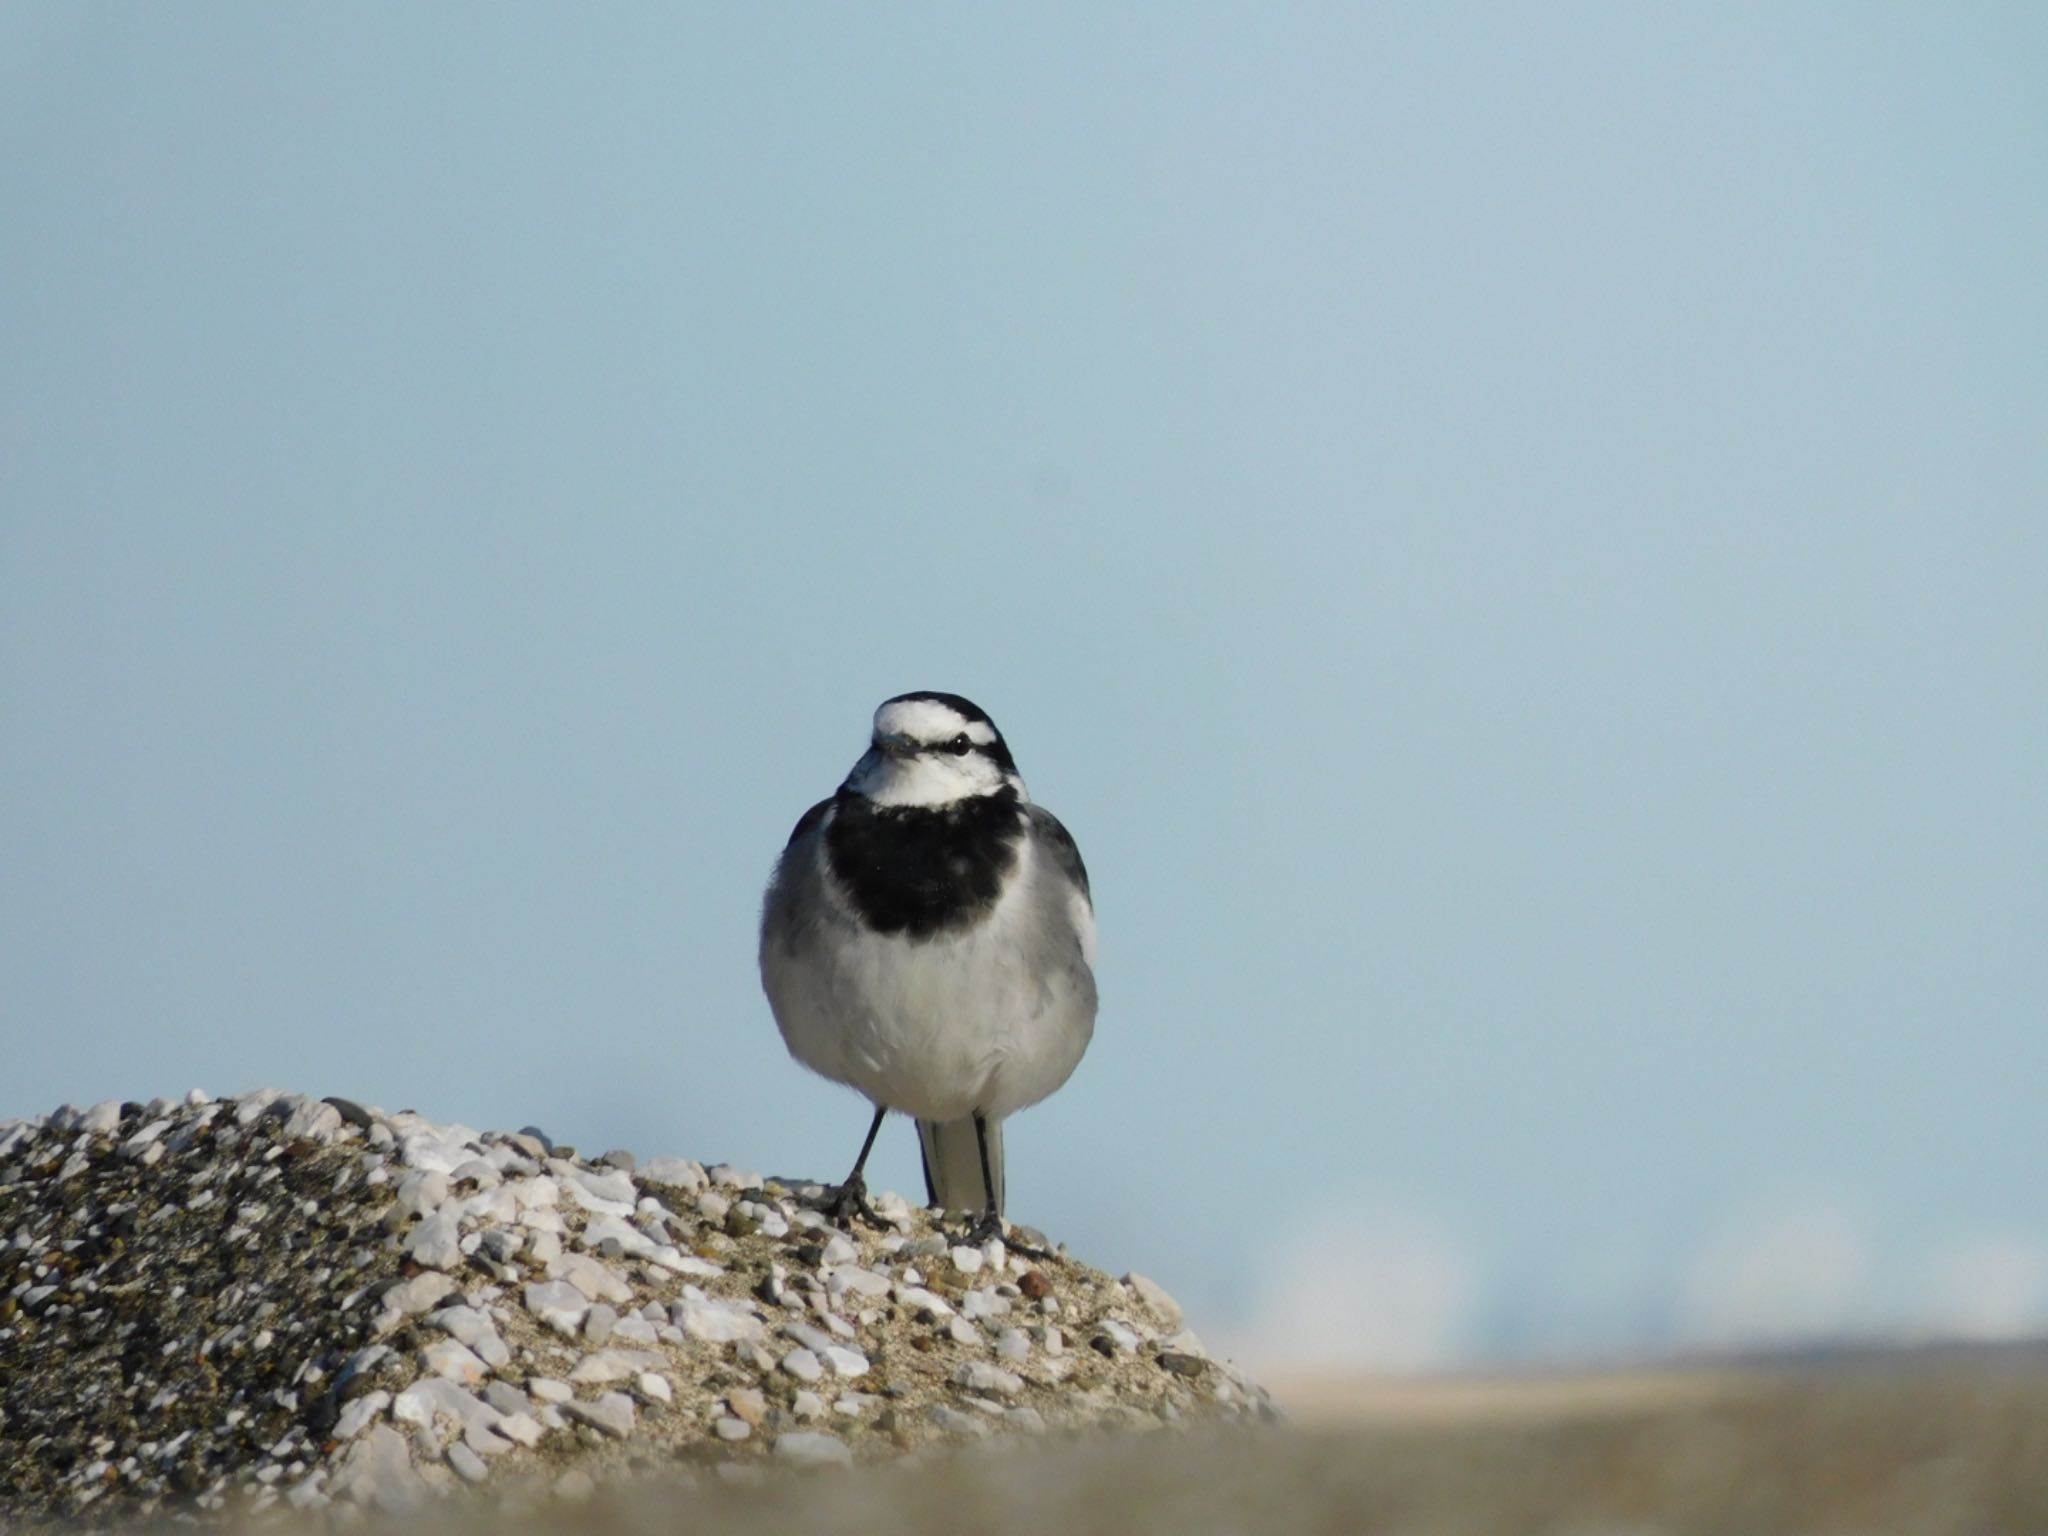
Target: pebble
{"x":378,"y":1472}
{"x":727,"y":1428}
{"x":980,"y":1376}
{"x":845,"y":1362}
{"x":1012,"y":1344}
{"x":358,"y":1415}
{"x":807,"y":1405}
{"x":422,"y":1293}
{"x":467,"y":1463}
{"x":811,"y":1448}
{"x":436,"y":1242}
{"x":475,"y":1331}
{"x":611,"y":1413}
{"x":654,"y":1387}
{"x":558,"y":1304}
{"x":715,"y":1322}
{"x":455,"y":1360}
{"x":804,"y":1365}
{"x":1156,"y":1301}
{"x":749,"y":1403}
{"x":545,"y":1389}
{"x":676,"y":1172}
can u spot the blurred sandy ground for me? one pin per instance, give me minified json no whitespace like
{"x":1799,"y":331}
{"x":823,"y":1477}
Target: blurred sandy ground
{"x":1931,"y":1444}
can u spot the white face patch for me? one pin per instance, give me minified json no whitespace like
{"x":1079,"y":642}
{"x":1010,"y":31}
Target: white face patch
{"x":930,"y":722}
{"x":909,"y":763}
{"x":929,"y":778}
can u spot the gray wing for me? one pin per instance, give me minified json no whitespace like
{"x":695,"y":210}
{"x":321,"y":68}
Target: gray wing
{"x":1057,"y":841}
{"x":792,"y":897}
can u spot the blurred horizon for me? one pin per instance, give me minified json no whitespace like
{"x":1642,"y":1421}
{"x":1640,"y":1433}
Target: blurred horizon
{"x":1513,"y":541}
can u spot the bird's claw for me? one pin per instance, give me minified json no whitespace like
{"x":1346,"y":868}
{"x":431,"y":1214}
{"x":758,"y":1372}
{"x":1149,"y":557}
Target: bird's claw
{"x":988,"y":1224}
{"x":849,"y":1203}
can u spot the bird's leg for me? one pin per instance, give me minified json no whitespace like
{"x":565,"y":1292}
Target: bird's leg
{"x":849,"y":1202}
{"x":990,"y":1222}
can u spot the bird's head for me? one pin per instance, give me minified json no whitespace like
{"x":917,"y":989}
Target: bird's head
{"x":933,"y":750}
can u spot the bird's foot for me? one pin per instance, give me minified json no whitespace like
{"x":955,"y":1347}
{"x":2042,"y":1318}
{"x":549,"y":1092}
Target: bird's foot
{"x":849,"y":1203}
{"x":988,"y":1224}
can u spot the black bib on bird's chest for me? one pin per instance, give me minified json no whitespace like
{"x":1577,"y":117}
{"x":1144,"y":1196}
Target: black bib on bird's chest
{"x":923,"y":870}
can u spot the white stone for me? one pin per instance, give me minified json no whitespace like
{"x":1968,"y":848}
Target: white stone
{"x":916,"y":1297}
{"x":967,"y":1260}
{"x":456,"y":1361}
{"x":1156,"y":1301}
{"x":467,"y":1463}
{"x":1012,"y":1344}
{"x":861,"y":1282}
{"x":673,"y":1259}
{"x":678,"y":1172}
{"x":546,"y":1389}
{"x":844,"y":1362}
{"x":436,"y":1242}
{"x":421,"y":1293}
{"x":811,"y":1448}
{"x":839,"y":1249}
{"x":804,"y":1365}
{"x":807,"y":1405}
{"x":379,"y":1472}
{"x":558,"y":1304}
{"x":980,"y":1376}
{"x":595,"y":1280}
{"x":358,"y":1415}
{"x":728,"y":1428}
{"x":612,"y":1413}
{"x":603,"y":1365}
{"x":520,"y":1429}
{"x":716,"y":1322}
{"x":632,"y":1241}
{"x":654,"y":1387}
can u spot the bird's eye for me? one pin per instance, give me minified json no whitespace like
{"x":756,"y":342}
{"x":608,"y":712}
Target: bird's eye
{"x":959,"y":746}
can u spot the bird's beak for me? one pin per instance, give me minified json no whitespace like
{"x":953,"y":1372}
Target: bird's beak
{"x":895,"y":744}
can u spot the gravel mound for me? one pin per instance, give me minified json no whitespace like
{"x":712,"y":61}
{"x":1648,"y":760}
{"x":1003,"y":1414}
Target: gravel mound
{"x":220,"y":1306}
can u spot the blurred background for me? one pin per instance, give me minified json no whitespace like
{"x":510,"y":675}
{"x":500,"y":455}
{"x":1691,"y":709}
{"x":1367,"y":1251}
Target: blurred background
{"x":1514,"y":538}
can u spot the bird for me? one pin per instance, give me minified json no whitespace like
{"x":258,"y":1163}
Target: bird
{"x":928,"y":939}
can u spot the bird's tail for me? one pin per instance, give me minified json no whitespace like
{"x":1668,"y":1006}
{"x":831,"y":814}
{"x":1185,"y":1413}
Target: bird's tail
{"x":952,"y":1163}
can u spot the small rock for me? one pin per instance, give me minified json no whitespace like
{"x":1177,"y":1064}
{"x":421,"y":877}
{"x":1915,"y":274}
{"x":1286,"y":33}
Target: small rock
{"x":359,"y":1414}
{"x":546,"y":1389}
{"x":455,"y":1360}
{"x":436,"y":1242}
{"x":980,"y":1376}
{"x":845,"y":1362}
{"x":1156,"y":1301}
{"x":611,"y":1413}
{"x":654,"y":1387}
{"x":732,"y":1429}
{"x":558,"y":1304}
{"x":749,"y":1403}
{"x":418,"y":1295}
{"x":467,"y":1463}
{"x":811,"y":1448}
{"x":803,"y":1365}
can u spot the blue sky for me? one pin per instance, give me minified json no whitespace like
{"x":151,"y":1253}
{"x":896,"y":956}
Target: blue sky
{"x":1515,"y":541}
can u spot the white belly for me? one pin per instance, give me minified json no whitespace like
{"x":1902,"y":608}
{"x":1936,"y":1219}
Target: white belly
{"x":986,"y":1020}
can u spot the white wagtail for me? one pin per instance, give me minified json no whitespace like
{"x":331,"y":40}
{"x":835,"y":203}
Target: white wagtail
{"x":928,"y":938}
